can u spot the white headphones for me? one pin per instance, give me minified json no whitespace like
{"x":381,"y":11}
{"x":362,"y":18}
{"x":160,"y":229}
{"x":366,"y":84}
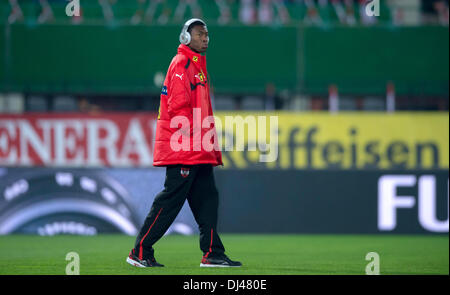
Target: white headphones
{"x":185,"y":36}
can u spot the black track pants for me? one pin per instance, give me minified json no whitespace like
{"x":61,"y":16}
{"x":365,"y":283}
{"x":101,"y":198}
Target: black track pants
{"x":196,"y":183}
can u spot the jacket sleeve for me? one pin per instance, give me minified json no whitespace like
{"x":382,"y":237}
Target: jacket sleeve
{"x":179,"y":100}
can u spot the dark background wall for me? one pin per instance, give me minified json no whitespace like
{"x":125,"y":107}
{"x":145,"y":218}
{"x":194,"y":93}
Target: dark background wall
{"x":295,"y":201}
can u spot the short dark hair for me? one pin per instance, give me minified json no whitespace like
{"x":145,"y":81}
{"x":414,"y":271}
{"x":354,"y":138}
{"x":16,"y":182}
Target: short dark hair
{"x":196,"y":23}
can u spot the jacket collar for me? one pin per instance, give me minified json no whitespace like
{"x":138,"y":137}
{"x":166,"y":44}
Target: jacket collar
{"x":196,"y":58}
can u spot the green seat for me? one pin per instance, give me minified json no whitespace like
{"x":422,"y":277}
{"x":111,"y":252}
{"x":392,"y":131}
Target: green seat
{"x":30,"y":11}
{"x":92,"y":11}
{"x":297,"y":12}
{"x":124,"y":10}
{"x":4,"y":11}
{"x":59,"y":10}
{"x":210,"y":10}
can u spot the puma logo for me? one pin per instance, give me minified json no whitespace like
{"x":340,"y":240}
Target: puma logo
{"x":180,"y":76}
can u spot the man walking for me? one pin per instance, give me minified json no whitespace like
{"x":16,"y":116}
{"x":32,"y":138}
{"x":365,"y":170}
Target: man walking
{"x":189,"y":172}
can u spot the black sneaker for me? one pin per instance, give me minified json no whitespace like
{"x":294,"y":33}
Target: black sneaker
{"x":135,"y":261}
{"x":220,"y":261}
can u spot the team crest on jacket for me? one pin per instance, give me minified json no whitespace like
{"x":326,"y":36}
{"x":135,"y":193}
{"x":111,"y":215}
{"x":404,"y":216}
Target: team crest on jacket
{"x":164,"y":90}
{"x":200,"y":77}
{"x":184,"y":172}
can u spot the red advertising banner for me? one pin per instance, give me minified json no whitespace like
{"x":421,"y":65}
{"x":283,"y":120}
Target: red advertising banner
{"x":77,"y":140}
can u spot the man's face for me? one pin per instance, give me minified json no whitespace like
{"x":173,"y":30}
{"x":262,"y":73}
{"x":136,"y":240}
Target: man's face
{"x":199,"y":39}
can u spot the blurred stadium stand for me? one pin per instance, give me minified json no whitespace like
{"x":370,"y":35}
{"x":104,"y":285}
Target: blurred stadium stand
{"x":286,"y":20}
{"x":213,"y":11}
{"x":227,"y":12}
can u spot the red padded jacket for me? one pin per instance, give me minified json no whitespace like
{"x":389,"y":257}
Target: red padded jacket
{"x":186,"y":88}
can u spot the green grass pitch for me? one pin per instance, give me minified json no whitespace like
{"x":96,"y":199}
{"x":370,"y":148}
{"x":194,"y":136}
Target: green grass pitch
{"x":260,"y":254}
